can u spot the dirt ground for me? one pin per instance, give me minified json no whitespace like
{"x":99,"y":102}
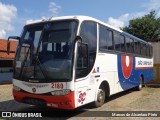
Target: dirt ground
{"x":5,"y":92}
{"x":146,"y":100}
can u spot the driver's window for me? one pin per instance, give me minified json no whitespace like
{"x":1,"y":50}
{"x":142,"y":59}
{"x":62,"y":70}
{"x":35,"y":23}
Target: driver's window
{"x":88,"y":33}
{"x":82,"y":60}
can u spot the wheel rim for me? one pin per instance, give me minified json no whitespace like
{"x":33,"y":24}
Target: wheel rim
{"x":140,"y":85}
{"x":101,"y":96}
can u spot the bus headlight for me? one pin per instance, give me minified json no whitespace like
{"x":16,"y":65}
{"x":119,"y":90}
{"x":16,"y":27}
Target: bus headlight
{"x":61,"y":92}
{"x":16,"y":88}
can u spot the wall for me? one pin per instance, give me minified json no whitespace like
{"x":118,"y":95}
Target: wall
{"x":156,"y":56}
{"x":6,"y":77}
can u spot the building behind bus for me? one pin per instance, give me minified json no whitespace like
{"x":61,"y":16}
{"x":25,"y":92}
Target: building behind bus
{"x":6,"y":60}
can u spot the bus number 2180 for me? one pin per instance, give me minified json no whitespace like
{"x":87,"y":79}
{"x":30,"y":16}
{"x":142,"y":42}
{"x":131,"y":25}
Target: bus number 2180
{"x":57,"y":85}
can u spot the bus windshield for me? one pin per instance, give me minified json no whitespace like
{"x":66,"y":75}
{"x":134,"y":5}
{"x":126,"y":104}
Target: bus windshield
{"x":45,"y":51}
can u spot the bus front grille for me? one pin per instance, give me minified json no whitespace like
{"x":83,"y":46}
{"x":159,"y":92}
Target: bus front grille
{"x":34,"y":101}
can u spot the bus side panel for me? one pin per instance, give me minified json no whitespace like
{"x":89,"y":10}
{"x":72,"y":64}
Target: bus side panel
{"x":144,"y":66}
{"x":131,"y":68}
{"x":106,"y":67}
{"x":85,"y":90}
{"x":126,"y":72}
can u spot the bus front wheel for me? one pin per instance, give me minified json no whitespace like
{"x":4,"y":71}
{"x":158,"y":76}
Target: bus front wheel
{"x":100,"y":97}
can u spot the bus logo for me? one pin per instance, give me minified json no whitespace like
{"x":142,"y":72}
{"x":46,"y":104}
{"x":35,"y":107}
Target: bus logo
{"x":82,"y":97}
{"x":127,"y":65}
{"x":33,"y":90}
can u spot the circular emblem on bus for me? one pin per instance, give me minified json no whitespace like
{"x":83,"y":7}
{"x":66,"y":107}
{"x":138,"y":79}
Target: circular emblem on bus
{"x":33,"y":90}
{"x":127,"y":65}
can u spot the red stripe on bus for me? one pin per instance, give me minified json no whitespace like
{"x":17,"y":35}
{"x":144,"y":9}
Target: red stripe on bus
{"x":142,"y":68}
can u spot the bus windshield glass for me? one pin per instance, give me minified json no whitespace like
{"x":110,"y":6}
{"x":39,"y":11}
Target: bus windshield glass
{"x":45,"y":51}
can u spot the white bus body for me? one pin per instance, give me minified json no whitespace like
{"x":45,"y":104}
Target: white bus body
{"x":100,"y":62}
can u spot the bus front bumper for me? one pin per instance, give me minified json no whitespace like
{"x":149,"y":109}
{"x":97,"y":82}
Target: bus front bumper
{"x":61,"y":102}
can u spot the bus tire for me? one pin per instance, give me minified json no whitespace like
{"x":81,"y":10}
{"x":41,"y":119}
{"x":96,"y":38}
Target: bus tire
{"x":140,"y":86}
{"x":100,"y":97}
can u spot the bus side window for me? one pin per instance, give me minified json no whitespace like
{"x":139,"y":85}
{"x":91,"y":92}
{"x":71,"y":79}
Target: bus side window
{"x":122,"y":43}
{"x":143,"y":49}
{"x":110,"y":40}
{"x":148,"y":47}
{"x":132,"y":46}
{"x":102,"y":38}
{"x":137,"y":47}
{"x":150,"y":51}
{"x":105,"y":39}
{"x":129,"y":45}
{"x":117,"y":41}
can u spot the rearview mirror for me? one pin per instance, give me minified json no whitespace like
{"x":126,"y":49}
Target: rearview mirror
{"x":78,"y":38}
{"x":14,"y":37}
{"x":8,"y":42}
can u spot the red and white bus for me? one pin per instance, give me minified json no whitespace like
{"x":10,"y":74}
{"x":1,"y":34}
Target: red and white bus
{"x":67,"y":62}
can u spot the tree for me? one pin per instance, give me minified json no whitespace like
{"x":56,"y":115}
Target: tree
{"x":146,"y":27}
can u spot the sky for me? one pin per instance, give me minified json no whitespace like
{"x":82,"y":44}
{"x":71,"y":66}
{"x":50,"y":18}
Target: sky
{"x":14,"y":14}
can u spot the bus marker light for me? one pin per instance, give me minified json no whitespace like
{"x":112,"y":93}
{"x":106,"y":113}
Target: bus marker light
{"x":16,"y":88}
{"x":68,"y":102}
{"x":94,"y":71}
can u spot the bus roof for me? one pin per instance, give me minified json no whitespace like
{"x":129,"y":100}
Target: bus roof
{"x":77,"y":17}
{"x":82,"y":18}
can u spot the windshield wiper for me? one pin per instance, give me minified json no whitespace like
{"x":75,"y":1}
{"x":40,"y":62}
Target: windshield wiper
{"x":43,"y":69}
{"x":36,"y":60}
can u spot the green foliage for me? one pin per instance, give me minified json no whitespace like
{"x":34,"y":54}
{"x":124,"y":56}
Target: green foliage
{"x":146,"y":27}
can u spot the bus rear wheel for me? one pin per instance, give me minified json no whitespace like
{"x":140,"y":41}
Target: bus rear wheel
{"x":100,"y":97}
{"x":140,"y":86}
